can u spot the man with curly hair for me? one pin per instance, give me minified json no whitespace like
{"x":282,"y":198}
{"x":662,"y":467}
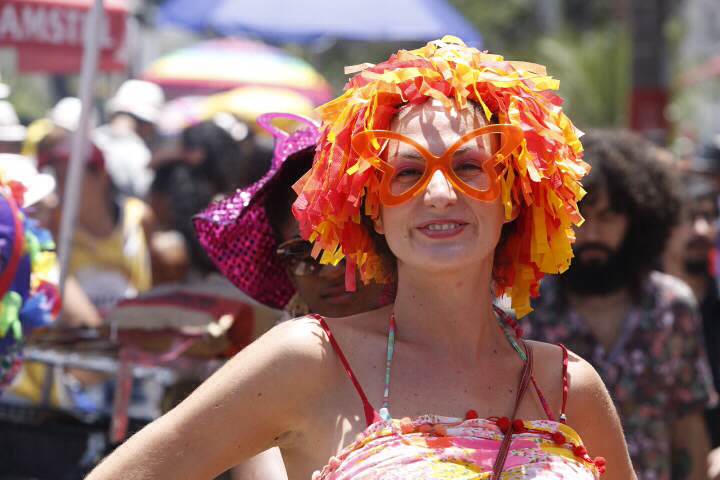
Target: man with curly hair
{"x":638,"y":327}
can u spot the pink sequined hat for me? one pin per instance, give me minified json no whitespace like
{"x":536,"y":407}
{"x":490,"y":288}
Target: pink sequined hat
{"x":236,"y":233}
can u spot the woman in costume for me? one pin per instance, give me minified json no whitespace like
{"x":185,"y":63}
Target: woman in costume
{"x":456,"y":171}
{"x":270,"y":261}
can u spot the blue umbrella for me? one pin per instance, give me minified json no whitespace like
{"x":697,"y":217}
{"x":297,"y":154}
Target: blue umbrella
{"x":307,"y":21}
{"x":188,"y":14}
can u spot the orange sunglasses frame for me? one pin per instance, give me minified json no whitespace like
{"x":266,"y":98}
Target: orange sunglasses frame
{"x":511,"y":138}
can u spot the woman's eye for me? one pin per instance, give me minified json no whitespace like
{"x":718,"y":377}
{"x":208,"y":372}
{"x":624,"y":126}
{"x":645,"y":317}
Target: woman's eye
{"x":407,"y":173}
{"x":468,"y":168}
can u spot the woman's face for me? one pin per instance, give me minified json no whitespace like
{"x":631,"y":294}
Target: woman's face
{"x":440,"y":229}
{"x":323,"y":289}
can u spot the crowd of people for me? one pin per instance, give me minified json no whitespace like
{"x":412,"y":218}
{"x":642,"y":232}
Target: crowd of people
{"x":444,"y":280}
{"x":133,"y":236}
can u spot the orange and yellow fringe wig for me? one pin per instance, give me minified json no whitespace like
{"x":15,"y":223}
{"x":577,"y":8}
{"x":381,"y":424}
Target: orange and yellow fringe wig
{"x":540,"y":182}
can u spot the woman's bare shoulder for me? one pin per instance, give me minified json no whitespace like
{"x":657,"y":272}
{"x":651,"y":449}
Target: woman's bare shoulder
{"x":590,"y":410}
{"x":285,"y":367}
{"x":304,"y":344}
{"x":582,"y":377}
{"x":301,"y":337}
{"x":585,"y":388}
{"x":347,"y":330}
{"x":548,"y":362}
{"x":295,"y":346}
{"x":266,"y":389}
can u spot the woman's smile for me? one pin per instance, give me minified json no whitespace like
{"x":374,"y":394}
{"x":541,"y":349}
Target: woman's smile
{"x":442,"y":228}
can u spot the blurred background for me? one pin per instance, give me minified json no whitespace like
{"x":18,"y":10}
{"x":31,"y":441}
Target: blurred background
{"x":614,"y":58}
{"x":167,"y":124}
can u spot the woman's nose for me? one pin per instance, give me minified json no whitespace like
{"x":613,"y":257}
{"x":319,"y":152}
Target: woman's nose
{"x":439,"y":192}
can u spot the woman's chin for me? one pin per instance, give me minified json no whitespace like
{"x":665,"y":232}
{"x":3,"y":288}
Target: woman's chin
{"x":445,"y":261}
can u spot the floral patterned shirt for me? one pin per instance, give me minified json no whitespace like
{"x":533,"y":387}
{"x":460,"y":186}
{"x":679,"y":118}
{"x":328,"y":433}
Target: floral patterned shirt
{"x":656,"y":372}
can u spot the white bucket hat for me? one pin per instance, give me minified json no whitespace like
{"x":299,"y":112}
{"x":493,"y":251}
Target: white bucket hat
{"x":10,"y":128}
{"x":22,"y":170}
{"x":66,"y":113}
{"x":139,"y":98}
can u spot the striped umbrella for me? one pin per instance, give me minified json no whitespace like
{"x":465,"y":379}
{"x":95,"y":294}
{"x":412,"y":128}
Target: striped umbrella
{"x":222,"y":64}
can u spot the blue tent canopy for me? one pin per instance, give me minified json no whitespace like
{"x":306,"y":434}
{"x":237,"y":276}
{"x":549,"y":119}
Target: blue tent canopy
{"x":307,"y":21}
{"x":188,"y":14}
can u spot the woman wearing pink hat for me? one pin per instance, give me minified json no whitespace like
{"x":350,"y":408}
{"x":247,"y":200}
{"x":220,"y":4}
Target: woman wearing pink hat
{"x":254,"y":240}
{"x":272,"y":263}
{"x":456,"y":172}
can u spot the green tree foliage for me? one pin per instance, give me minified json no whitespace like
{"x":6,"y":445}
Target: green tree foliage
{"x":507,"y":26}
{"x":589,"y":53}
{"x":594,"y":72}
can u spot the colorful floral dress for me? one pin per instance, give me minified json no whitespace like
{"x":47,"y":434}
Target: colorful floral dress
{"x":446,"y":448}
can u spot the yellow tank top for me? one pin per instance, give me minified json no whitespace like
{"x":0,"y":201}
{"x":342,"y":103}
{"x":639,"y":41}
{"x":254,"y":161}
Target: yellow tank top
{"x":117,"y":266}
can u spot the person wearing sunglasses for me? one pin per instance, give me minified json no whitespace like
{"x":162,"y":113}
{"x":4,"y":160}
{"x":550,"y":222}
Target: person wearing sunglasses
{"x":254,"y":240}
{"x":319,"y":288}
{"x":278,"y":269}
{"x":464,"y":188}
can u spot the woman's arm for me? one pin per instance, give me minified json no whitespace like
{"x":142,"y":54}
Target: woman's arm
{"x":591,"y":413}
{"x":267,"y":465}
{"x":254,"y":402}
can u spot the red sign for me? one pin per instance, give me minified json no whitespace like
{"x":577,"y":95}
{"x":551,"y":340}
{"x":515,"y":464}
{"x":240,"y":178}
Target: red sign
{"x":647,"y":111}
{"x":48,"y":34}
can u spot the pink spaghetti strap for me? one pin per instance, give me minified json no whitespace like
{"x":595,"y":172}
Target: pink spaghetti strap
{"x":565,"y":389}
{"x":565,"y":384}
{"x":543,"y":400}
{"x":370,"y":414}
{"x":513,"y":326}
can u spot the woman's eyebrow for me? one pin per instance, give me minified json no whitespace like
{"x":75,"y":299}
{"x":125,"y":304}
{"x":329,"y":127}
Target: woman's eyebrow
{"x":409,"y":153}
{"x":464,"y":149}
